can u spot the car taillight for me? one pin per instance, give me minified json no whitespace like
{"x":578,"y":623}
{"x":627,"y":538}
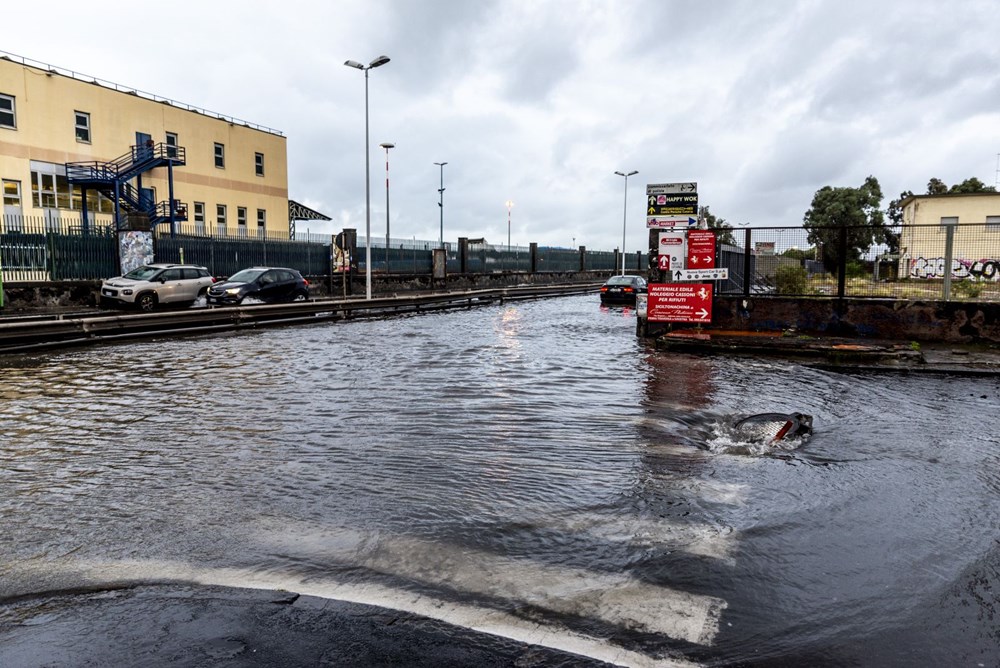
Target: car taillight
{"x":306,"y":281}
{"x":213,"y":279}
{"x":604,"y":288}
{"x":629,"y":290}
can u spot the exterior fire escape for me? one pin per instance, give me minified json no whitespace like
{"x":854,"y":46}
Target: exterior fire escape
{"x":135,"y":207}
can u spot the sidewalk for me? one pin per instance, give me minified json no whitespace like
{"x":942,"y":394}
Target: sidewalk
{"x":841,"y":353}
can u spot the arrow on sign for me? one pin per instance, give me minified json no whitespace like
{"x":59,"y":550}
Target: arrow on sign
{"x":688,"y":187}
{"x":678,"y":275}
{"x":702,"y":313}
{"x":651,"y":210}
{"x":708,"y":258}
{"x":652,"y":200}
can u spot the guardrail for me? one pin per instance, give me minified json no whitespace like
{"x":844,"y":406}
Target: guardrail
{"x":23,"y":335}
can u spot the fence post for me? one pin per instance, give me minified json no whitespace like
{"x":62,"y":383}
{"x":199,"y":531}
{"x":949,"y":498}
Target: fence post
{"x":949,"y":251}
{"x":842,"y":263}
{"x":583,"y":258}
{"x":463,"y":255}
{"x":747,"y":260}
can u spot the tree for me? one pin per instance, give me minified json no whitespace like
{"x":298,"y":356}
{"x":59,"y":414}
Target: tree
{"x":723,"y":230}
{"x":856,"y":211}
{"x":799,"y":254}
{"x":936,"y":187}
{"x":895,"y":210}
{"x":972,"y":185}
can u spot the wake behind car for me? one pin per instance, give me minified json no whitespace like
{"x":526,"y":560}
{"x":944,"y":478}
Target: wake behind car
{"x":147,"y":286}
{"x":622,"y":289}
{"x":263,"y":284}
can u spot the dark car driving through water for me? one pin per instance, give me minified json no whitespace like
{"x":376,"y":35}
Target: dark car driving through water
{"x":622,"y":289}
{"x":263,"y":284}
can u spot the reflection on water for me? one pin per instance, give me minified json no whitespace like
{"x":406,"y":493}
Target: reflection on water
{"x":534,"y":460}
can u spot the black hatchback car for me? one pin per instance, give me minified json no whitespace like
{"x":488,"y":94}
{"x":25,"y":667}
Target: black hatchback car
{"x":622,"y":289}
{"x":261,"y":284}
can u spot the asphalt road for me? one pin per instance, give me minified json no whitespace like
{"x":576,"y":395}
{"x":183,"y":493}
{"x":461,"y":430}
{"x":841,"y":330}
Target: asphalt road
{"x":184,"y":625}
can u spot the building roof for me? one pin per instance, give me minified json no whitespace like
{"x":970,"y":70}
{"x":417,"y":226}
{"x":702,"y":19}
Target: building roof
{"x":86,"y":78}
{"x":913,"y":198}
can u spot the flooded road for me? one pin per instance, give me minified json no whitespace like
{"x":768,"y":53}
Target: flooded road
{"x":530,"y":469}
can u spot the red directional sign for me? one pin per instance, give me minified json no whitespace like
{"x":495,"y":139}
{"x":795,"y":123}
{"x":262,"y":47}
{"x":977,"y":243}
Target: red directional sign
{"x":701,"y":249}
{"x":664,"y":261}
{"x":679,"y":302}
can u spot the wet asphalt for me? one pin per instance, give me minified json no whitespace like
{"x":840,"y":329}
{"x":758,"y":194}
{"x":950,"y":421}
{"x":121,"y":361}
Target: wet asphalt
{"x":186,"y":625}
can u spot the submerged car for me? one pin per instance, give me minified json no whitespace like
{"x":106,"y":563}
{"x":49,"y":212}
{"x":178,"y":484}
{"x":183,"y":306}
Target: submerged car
{"x":263,"y":284}
{"x":622,"y":289}
{"x":148,"y":286}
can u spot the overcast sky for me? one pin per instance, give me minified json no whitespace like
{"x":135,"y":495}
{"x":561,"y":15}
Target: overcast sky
{"x":761,"y":103}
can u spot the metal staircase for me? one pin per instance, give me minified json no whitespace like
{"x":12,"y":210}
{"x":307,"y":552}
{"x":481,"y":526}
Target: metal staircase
{"x":114,"y":181}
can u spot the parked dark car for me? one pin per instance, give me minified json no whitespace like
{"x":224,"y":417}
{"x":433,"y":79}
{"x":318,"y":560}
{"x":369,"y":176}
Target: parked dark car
{"x":622,"y":289}
{"x":263,"y":284}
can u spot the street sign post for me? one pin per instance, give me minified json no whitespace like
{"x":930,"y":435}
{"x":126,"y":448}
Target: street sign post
{"x":701,"y":249}
{"x":714,"y":274}
{"x":671,"y":188}
{"x":679,"y":302}
{"x":674,"y":247}
{"x":671,"y":222}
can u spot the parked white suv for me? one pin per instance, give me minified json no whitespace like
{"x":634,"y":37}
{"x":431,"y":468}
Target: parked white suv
{"x":151,"y":284}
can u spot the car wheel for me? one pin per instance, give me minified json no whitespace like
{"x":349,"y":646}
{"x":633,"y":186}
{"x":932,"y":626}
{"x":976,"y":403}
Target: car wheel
{"x":146,"y":301}
{"x":299,"y":296}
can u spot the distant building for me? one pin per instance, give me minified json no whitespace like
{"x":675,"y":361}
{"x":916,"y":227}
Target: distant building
{"x":227,"y":176}
{"x":976,"y":244}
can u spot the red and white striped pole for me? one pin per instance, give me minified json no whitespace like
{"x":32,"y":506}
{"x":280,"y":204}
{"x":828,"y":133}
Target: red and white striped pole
{"x":387,"y":145}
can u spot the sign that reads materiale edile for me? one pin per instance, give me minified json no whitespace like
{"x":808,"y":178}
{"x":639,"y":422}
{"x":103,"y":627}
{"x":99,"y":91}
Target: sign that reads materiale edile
{"x":679,"y":302}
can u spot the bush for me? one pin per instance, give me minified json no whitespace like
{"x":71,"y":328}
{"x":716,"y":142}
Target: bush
{"x":790,"y":280}
{"x":969,"y":289}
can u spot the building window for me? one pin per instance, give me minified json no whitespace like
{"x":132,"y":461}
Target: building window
{"x":7,"y":117}
{"x":220,"y":156}
{"x":258,"y":159}
{"x":261,"y":222}
{"x":12,"y":193}
{"x":220,"y":218}
{"x":241,"y":220}
{"x":199,"y":218}
{"x":171,"y":144}
{"x":82,"y":126}
{"x":50,"y":189}
{"x":947,"y":221}
{"x":993,"y":223}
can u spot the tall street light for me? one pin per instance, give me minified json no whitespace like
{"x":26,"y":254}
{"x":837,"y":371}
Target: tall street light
{"x":378,"y":62}
{"x":387,"y":145}
{"x":625,"y":214}
{"x":441,"y":201}
{"x":509,"y":205}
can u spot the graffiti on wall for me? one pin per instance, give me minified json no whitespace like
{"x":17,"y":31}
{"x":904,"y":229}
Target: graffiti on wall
{"x":135,"y":249}
{"x":973,"y":270}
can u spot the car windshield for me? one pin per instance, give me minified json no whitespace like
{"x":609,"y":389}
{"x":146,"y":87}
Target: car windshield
{"x":246,"y":276}
{"x":621,"y":280}
{"x":143,"y":273}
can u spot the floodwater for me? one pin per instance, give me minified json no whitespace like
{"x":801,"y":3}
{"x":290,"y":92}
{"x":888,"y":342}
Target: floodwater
{"x":532,"y":467}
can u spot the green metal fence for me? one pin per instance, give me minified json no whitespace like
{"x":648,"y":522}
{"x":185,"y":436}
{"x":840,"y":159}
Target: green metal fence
{"x":58,"y":248}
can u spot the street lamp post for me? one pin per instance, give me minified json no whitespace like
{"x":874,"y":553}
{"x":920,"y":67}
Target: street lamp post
{"x":625,"y":213}
{"x":387,"y":145}
{"x":378,"y":62}
{"x":509,"y":205}
{"x":441,"y":201}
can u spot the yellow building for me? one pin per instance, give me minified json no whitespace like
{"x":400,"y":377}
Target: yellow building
{"x":227,"y":176}
{"x":975,"y":252}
